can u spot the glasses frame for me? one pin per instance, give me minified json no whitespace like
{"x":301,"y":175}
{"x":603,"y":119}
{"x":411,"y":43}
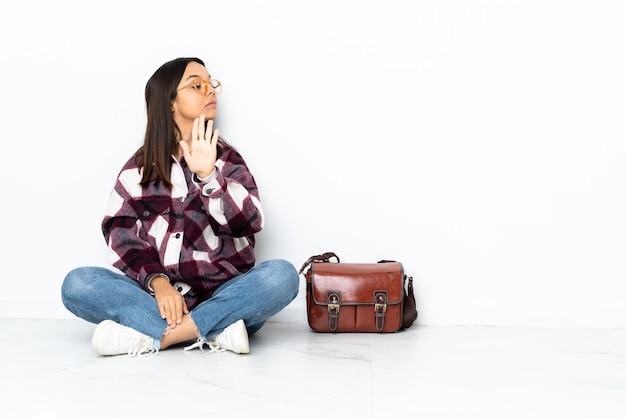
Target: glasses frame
{"x":213,"y":83}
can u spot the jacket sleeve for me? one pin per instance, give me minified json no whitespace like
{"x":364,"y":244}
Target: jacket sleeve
{"x":128,"y":246}
{"x":232,"y":198}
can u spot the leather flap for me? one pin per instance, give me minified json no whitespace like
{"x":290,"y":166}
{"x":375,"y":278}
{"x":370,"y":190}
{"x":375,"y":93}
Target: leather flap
{"x":357,"y":282}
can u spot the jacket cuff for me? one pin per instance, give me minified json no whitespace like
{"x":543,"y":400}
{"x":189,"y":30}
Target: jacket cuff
{"x":149,"y":280}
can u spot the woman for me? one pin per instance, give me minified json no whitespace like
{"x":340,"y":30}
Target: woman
{"x":180,"y":226}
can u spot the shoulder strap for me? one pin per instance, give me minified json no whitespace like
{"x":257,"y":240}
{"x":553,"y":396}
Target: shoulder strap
{"x":321,"y":257}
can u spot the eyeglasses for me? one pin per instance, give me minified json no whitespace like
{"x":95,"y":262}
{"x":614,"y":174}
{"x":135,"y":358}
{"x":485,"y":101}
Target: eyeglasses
{"x":202,"y":86}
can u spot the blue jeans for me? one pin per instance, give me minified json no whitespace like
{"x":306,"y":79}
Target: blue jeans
{"x":97,"y":293}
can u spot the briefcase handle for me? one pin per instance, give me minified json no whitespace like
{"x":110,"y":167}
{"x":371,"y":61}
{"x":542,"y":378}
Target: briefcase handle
{"x":321,"y":257}
{"x":326,"y":258}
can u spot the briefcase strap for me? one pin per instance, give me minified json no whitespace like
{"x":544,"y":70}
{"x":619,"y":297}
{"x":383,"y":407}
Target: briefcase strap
{"x":321,"y":257}
{"x":333,"y":299}
{"x":380,"y":308}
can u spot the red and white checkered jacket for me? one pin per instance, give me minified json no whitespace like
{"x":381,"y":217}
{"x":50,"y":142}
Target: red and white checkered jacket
{"x":199,"y":233}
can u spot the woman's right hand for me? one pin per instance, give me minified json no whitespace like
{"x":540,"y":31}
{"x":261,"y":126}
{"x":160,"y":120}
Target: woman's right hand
{"x":171,"y":303}
{"x":200,"y":151}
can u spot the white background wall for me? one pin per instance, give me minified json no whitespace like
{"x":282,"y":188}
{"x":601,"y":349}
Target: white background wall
{"x":481,"y":143}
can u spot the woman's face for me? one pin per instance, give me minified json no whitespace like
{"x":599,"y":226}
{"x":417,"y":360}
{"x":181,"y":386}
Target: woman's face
{"x":195,"y":96}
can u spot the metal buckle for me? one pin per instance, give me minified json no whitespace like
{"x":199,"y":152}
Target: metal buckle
{"x":332,"y":304}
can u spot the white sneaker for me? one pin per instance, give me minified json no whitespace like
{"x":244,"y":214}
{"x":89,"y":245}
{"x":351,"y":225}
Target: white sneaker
{"x":234,"y":338}
{"x":111,"y":339}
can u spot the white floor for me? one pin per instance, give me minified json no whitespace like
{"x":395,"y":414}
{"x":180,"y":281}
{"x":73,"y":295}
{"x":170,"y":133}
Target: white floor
{"x":49,"y":370}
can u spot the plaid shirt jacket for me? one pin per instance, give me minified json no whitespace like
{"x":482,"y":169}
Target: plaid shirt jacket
{"x":201,"y":232}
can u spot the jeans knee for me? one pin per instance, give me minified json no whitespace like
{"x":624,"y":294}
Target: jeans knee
{"x":76,"y":284}
{"x":70,"y":284}
{"x":286,"y":275}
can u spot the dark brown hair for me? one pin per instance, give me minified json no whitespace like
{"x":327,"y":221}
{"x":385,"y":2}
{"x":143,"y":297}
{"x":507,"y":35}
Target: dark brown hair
{"x":162,"y":133}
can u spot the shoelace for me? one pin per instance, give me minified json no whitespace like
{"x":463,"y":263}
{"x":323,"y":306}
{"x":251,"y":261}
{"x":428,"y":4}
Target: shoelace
{"x":202,"y":341}
{"x":142,"y":348}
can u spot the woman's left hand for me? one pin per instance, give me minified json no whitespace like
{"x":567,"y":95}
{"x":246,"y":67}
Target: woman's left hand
{"x":201,"y":151}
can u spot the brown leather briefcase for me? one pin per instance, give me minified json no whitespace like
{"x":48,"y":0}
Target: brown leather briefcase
{"x":357,"y":297}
